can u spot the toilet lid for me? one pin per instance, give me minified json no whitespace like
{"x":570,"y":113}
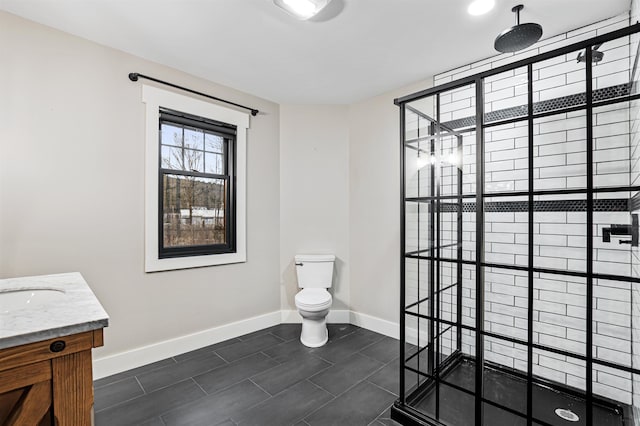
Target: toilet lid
{"x":313,"y":297}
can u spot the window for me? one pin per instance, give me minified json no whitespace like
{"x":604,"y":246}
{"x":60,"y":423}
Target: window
{"x":196,"y":199}
{"x":195,"y":209}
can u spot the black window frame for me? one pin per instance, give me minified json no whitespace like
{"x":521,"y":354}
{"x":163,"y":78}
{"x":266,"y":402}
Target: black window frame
{"x":228,"y":132}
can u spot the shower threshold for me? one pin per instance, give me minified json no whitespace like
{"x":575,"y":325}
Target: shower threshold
{"x":553,"y":404}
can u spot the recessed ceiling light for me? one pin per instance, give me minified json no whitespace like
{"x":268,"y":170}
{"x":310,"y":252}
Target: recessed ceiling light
{"x":480,"y":7}
{"x":302,"y":9}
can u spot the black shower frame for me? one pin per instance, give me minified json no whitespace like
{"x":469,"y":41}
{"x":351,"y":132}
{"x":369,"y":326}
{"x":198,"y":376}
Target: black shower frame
{"x":402,"y":410}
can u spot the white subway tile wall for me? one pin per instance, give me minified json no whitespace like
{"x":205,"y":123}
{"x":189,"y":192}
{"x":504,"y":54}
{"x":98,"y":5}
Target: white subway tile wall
{"x":634,"y":123}
{"x":559,"y":148}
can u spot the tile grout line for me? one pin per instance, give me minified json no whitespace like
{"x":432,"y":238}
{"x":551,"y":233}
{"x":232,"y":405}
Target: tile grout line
{"x":376,"y":359}
{"x":109,"y":384}
{"x":345,"y":391}
{"x":322,"y":359}
{"x":249,"y":408}
{"x":363,"y":379}
{"x":335,"y":363}
{"x":186,"y":402}
{"x":129,"y":376}
{"x":272,"y":358}
{"x":321,"y":406}
{"x":262,"y":389}
{"x":380,"y":387}
{"x":239,"y":381}
{"x":303,"y":417}
{"x":286,"y":389}
{"x":119,"y":403}
{"x":264,"y":334}
{"x":144,"y":393}
{"x":225,"y":360}
{"x":180,"y":380}
{"x":295,"y":383}
{"x":147,"y":394}
{"x":319,"y":386}
{"x":351,"y":354}
{"x":369,"y":345}
{"x":259,"y":351}
{"x":198,"y":385}
{"x":379,"y":369}
{"x":341,"y":393}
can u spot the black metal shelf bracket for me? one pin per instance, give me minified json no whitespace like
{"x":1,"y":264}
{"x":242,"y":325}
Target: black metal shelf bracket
{"x":134,"y":76}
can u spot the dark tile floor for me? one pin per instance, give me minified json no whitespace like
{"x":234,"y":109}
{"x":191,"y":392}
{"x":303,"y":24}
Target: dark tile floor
{"x":263,"y":378}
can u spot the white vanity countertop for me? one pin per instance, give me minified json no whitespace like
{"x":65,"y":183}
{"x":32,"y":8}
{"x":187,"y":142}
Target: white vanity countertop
{"x":79,"y":311}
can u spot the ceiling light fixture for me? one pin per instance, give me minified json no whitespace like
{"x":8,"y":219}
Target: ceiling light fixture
{"x":302,"y":9}
{"x":480,"y":7}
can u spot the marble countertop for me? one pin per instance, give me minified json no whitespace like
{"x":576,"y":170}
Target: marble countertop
{"x":77,"y":312}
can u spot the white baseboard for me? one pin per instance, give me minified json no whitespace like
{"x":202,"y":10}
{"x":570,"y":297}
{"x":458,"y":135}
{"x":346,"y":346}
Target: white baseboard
{"x":376,"y":324}
{"x":123,"y":361}
{"x":112,"y":364}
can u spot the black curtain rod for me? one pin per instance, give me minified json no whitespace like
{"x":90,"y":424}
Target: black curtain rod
{"x":134,"y":77}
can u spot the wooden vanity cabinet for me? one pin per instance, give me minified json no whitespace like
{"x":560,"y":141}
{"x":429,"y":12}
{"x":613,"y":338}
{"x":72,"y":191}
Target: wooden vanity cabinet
{"x":48,"y":382}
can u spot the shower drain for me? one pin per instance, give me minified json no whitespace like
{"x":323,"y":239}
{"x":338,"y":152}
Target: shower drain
{"x":567,"y":415}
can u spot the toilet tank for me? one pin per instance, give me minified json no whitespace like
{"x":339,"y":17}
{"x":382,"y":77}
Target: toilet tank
{"x":314,"y":270}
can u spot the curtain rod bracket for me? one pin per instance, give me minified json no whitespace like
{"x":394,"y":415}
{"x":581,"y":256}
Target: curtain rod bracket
{"x":134,"y":76}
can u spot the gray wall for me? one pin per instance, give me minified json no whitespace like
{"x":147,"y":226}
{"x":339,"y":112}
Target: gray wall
{"x":72,"y":188}
{"x":374,"y":197}
{"x":314,"y":195}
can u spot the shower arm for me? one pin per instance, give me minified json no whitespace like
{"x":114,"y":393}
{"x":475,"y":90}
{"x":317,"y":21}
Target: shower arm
{"x":517,"y":10}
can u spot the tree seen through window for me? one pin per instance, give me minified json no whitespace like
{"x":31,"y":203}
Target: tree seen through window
{"x":196,"y":187}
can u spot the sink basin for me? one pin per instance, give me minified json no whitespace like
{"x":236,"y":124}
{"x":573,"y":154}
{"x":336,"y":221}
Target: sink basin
{"x":31,"y":298}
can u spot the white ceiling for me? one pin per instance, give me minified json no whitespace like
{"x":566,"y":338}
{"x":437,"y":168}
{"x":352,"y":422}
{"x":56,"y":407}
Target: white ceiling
{"x":353,"y":50}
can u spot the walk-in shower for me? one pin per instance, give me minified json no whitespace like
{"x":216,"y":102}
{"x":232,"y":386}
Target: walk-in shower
{"x":520,"y":260}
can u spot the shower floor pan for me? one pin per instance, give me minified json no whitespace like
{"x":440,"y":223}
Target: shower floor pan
{"x":550,"y":401}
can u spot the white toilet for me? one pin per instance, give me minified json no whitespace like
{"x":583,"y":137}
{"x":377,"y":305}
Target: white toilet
{"x":315,"y":274}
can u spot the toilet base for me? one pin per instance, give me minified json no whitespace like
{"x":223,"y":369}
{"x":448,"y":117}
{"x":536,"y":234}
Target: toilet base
{"x":314,"y":332}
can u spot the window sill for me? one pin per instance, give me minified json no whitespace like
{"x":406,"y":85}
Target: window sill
{"x":154,"y":264}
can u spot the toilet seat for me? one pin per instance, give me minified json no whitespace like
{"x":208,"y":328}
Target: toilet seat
{"x":313,"y":299}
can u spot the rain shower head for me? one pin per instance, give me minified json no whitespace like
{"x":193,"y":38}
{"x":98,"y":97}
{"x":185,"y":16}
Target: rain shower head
{"x":518,"y":37}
